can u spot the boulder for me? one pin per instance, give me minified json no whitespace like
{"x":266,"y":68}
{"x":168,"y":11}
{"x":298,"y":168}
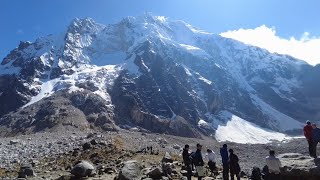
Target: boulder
{"x":167,"y":168}
{"x":93,"y":142}
{"x":167,"y":158}
{"x":26,"y":171}
{"x":176,"y":146}
{"x":162,"y":141}
{"x":83,"y":169}
{"x":86,"y":146}
{"x":298,"y":166}
{"x":155,"y":173}
{"x":14,"y":141}
{"x":130,"y":171}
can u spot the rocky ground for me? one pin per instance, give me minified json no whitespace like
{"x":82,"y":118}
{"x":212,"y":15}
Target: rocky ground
{"x":54,"y":155}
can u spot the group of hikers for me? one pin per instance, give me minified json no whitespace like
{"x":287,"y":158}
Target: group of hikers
{"x":312,"y":134}
{"x":230,"y":163}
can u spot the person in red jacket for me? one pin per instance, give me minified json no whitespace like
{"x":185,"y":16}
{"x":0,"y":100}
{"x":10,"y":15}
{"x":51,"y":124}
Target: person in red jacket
{"x":307,"y":130}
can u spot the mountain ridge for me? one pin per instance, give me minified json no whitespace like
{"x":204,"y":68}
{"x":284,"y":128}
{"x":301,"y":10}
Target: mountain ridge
{"x":160,"y":75}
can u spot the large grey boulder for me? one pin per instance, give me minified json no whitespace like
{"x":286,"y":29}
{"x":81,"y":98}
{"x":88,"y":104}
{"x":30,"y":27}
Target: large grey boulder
{"x":83,"y":169}
{"x":130,"y":171}
{"x":298,"y":166}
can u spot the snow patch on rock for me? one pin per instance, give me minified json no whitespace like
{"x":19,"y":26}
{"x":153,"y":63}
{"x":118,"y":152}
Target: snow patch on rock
{"x":241,"y":131}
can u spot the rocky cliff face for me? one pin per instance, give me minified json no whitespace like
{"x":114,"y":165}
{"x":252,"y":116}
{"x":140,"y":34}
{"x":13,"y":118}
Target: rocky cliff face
{"x":160,"y":75}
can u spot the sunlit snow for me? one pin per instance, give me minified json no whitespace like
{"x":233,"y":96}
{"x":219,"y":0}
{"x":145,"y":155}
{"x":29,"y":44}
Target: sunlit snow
{"x":241,"y":131}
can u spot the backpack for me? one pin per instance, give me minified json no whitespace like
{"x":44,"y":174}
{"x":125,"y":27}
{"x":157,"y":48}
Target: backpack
{"x":193,"y":158}
{"x":256,"y":173}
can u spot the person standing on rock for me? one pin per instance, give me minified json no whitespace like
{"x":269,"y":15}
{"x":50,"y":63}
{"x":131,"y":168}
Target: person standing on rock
{"x":274,"y":165}
{"x":187,"y":161}
{"x":307,"y":131}
{"x":315,"y":138}
{"x":198,"y":162}
{"x":234,"y":165}
{"x":211,"y":161}
{"x":225,"y":161}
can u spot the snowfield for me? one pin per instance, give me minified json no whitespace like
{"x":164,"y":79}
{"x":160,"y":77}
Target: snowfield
{"x":241,"y":131}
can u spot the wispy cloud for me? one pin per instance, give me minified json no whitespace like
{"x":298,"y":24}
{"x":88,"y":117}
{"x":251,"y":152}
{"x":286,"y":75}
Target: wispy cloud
{"x":306,"y":48}
{"x":20,"y":31}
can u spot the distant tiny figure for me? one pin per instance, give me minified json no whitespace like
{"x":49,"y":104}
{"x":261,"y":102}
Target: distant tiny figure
{"x":225,"y":161}
{"x":315,"y":138}
{"x":307,"y":131}
{"x":234,"y":165}
{"x":211,"y":161}
{"x":198,"y":162}
{"x":187,"y":161}
{"x":274,"y":165}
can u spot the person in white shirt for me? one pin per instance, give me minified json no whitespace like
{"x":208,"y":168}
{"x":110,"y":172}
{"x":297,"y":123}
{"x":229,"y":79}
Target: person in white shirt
{"x":274,"y":165}
{"x":211,"y":161}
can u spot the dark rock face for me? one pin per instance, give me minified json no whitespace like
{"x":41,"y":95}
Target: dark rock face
{"x":13,"y":94}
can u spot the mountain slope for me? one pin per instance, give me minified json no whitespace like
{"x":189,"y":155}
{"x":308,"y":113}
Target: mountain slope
{"x":161,"y":75}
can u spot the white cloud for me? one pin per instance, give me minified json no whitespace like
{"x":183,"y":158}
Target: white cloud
{"x":306,"y":48}
{"x":20,"y":31}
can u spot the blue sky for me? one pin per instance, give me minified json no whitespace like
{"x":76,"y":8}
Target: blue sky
{"x":27,"y":20}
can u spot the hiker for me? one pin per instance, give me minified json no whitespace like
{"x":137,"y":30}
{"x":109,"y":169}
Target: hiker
{"x":211,"y":161}
{"x":274,"y":165}
{"x":234,"y":165}
{"x":256,"y":173}
{"x":198,"y":162}
{"x":225,"y":161}
{"x":307,"y":131}
{"x":187,"y":161}
{"x":315,"y":138}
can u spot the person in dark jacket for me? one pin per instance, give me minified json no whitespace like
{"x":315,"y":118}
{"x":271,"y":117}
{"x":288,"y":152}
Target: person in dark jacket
{"x":198,"y":162}
{"x":225,"y":161}
{"x":234,"y":165}
{"x":187,"y":161}
{"x":315,"y":138}
{"x":307,"y":131}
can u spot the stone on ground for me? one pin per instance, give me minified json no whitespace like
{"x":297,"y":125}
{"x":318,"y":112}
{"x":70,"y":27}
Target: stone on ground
{"x":83,"y":169}
{"x":130,"y":171}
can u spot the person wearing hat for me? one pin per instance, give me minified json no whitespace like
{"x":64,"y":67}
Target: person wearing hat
{"x":198,"y":162}
{"x":187,"y":161}
{"x":307,"y":131}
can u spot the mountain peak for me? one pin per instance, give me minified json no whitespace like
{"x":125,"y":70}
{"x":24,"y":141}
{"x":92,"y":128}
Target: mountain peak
{"x":84,"y":25}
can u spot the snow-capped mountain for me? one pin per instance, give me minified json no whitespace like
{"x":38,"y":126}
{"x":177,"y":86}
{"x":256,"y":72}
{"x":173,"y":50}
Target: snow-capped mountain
{"x":151,"y":72}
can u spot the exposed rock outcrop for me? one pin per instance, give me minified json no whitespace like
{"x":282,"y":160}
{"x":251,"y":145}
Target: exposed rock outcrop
{"x":296,"y":166}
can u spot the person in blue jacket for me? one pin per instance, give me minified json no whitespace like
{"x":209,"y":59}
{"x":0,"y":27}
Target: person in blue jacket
{"x":225,"y":161}
{"x":315,"y":138}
